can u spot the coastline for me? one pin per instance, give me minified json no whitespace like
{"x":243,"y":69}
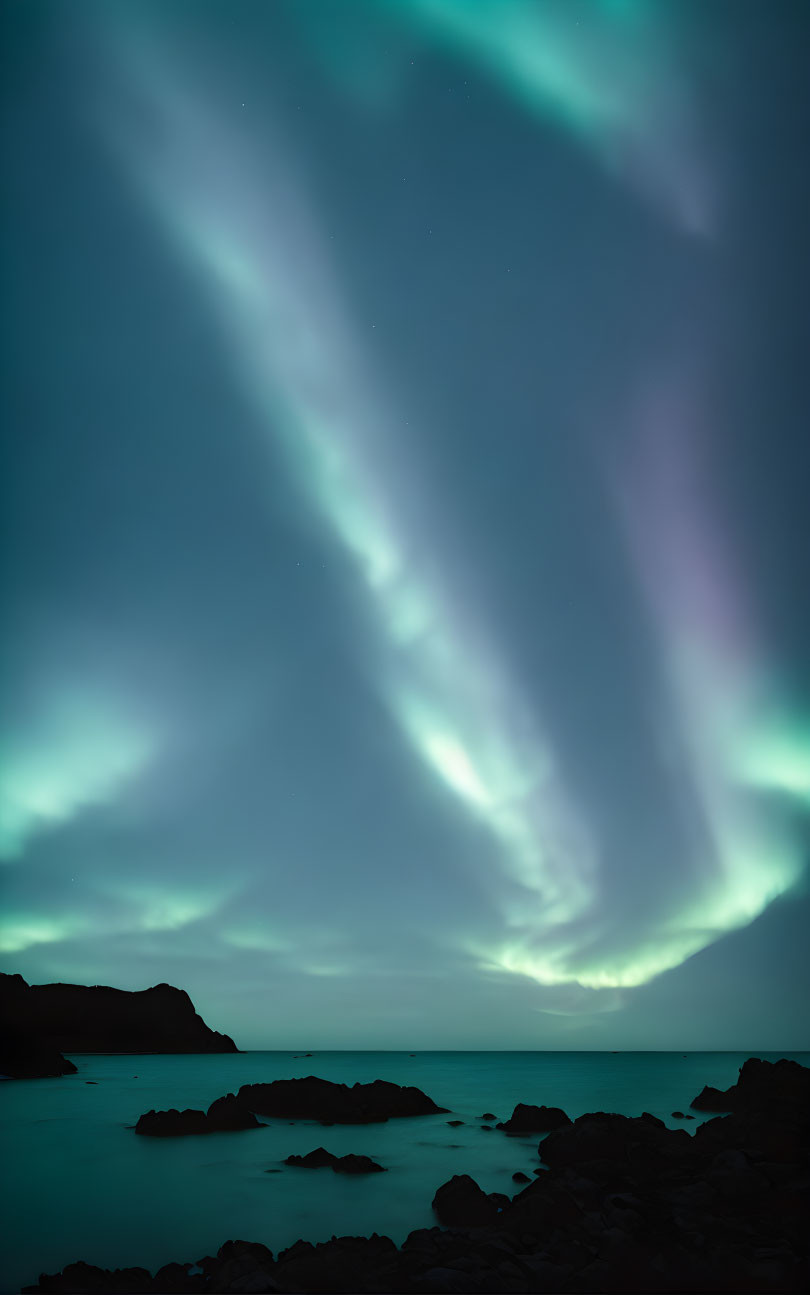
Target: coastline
{"x":405,"y":1265}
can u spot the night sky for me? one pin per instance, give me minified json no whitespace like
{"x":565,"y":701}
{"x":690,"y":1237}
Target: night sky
{"x":406,"y":553}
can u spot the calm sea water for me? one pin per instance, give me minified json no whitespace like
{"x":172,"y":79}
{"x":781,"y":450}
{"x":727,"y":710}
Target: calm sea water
{"x":78,"y":1183}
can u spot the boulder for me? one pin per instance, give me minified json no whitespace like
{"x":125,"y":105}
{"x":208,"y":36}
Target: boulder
{"x":225,"y":1115}
{"x":229,"y":1113}
{"x":243,"y":1268}
{"x":640,"y":1143}
{"x":323,"y":1159}
{"x":352,"y":1164}
{"x":320,"y":1099}
{"x":320,"y":1158}
{"x":172,"y":1123}
{"x":534,"y":1119}
{"x":342,"y":1265}
{"x":176,"y":1279}
{"x":462,"y":1203}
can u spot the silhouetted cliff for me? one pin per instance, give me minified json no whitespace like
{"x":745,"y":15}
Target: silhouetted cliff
{"x":96,"y":1018}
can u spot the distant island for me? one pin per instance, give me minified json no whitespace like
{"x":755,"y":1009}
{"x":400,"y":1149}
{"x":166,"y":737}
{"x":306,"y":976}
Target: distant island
{"x":38,"y":1023}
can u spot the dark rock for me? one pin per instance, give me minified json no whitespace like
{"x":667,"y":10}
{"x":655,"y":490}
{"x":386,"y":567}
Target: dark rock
{"x":320,"y":1158}
{"x":23,"y":1055}
{"x":352,"y":1164}
{"x":534,"y":1119}
{"x":344,"y":1264}
{"x":454,"y":1124}
{"x":761,"y":1085}
{"x":640,"y":1142}
{"x":96,"y":1018}
{"x":461,"y":1202}
{"x":323,"y":1159}
{"x":679,"y":1115}
{"x":225,"y":1115}
{"x":86,"y":1279}
{"x":228,"y":1113}
{"x":781,"y":1136}
{"x":520,"y":1177}
{"x":320,"y":1099}
{"x":171,"y":1123}
{"x":485,"y":1128}
{"x":176,"y":1279}
{"x":487,"y":1116}
{"x":712,"y":1099}
{"x":243,"y":1267}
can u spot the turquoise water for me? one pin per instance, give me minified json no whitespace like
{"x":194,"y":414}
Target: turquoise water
{"x":78,"y":1183}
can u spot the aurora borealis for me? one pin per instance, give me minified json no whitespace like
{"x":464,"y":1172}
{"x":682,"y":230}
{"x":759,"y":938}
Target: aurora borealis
{"x":407,"y":545}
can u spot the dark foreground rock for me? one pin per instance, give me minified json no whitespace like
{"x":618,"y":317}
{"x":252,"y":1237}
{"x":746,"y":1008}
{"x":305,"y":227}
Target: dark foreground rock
{"x":623,"y":1205}
{"x":761,"y":1083}
{"x":320,"y":1099}
{"x":323,"y":1159}
{"x":225,"y":1115}
{"x":461,"y":1202}
{"x":534,"y":1119}
{"x":96,"y":1018}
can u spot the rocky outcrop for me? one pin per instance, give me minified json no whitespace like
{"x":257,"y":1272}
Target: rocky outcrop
{"x":461,"y":1202}
{"x":320,"y":1099}
{"x":534,"y":1119}
{"x":96,"y":1018}
{"x":323,"y":1159}
{"x":23,"y":1056}
{"x":761,"y":1083}
{"x":226,"y":1115}
{"x":621,"y":1142}
{"x":625,"y":1204}
{"x":712,"y":1099}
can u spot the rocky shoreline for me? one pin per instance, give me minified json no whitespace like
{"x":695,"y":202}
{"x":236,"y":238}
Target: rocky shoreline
{"x":618,"y":1204}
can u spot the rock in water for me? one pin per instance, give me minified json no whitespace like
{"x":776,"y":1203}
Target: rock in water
{"x":762,"y":1084}
{"x":320,"y":1099}
{"x":352,"y":1164}
{"x":462,"y":1203}
{"x":320,"y":1158}
{"x":534,"y":1119}
{"x":323,"y":1159}
{"x":225,"y":1115}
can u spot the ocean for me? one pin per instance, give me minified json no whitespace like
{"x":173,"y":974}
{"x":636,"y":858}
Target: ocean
{"x":79,"y":1184}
